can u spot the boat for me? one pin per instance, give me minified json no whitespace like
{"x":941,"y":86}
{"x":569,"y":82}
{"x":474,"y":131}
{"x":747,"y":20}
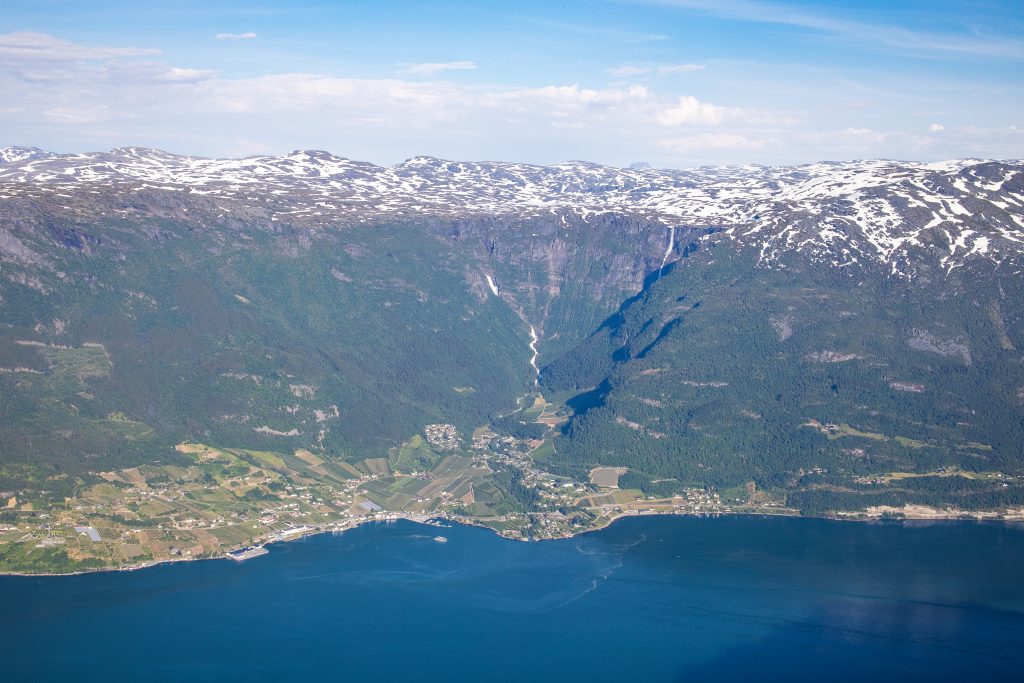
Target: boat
{"x":440,"y":539}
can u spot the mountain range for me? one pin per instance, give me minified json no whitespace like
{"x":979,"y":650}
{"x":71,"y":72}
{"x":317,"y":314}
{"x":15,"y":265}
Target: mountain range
{"x":839,"y":335}
{"x":842,"y":212}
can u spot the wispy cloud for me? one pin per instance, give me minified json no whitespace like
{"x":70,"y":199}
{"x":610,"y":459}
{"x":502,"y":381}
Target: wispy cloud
{"x":177,"y":75}
{"x":236,"y":36}
{"x":563,"y":101}
{"x":434,"y":68}
{"x":628,"y":70}
{"x":893,"y":38}
{"x":679,"y":68}
{"x":27,"y":46}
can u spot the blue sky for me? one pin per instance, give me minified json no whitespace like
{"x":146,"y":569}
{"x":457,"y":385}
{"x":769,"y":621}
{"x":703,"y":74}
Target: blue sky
{"x":676,"y":83}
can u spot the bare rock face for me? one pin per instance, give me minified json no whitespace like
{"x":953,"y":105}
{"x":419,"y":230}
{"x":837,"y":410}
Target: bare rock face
{"x":926,"y":341}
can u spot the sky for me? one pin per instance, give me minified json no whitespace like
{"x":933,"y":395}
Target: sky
{"x":671,"y":83}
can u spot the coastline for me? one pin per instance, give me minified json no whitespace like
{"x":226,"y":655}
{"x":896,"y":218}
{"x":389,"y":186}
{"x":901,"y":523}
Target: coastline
{"x":909,"y":513}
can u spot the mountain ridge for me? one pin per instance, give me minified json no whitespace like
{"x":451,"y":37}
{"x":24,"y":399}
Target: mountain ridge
{"x":875,"y":211}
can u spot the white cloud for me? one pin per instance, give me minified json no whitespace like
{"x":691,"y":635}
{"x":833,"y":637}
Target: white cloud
{"x":434,"y":68}
{"x":177,"y":75}
{"x":378,"y":101}
{"x":236,"y":36}
{"x":567,"y":96}
{"x":29,"y":47}
{"x":663,"y":70}
{"x":624,"y":71}
{"x":679,"y":68}
{"x":133,"y":101}
{"x":691,"y":111}
{"x":936,"y":128}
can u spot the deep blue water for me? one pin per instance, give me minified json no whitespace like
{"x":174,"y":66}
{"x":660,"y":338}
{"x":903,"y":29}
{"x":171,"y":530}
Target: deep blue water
{"x":652,"y":599}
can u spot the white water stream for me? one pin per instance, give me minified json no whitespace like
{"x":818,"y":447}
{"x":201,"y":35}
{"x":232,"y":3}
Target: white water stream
{"x":533,"y":332}
{"x":668,"y":249}
{"x":533,"y":360}
{"x":490,"y":283}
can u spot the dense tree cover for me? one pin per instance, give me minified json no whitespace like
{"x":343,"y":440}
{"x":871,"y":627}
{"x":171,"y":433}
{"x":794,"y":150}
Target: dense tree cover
{"x":821,"y":501}
{"x":346,"y":346}
{"x":720,"y":372}
{"x":510,"y":483}
{"x":518,"y":426}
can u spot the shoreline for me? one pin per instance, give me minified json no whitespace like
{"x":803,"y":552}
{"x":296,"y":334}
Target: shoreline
{"x":913,"y":514}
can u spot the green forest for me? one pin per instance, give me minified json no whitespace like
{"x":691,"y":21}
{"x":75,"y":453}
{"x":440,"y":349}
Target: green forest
{"x":801,"y":380}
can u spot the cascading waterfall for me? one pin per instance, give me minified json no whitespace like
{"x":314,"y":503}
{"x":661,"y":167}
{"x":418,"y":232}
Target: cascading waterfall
{"x":490,"y":284}
{"x":533,"y":359}
{"x":668,"y":249}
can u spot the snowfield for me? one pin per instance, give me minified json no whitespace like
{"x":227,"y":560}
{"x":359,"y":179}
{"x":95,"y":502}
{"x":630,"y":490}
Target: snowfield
{"x":844,"y":212}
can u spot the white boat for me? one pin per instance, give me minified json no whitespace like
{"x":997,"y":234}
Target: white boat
{"x":440,"y":539}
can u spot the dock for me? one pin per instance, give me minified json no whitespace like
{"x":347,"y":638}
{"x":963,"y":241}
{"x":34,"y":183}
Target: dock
{"x":247,"y":553}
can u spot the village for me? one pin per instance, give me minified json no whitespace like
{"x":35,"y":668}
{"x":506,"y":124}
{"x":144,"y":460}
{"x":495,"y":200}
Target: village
{"x":231,"y":502}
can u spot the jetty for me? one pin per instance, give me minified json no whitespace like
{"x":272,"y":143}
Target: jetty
{"x":246,"y":553}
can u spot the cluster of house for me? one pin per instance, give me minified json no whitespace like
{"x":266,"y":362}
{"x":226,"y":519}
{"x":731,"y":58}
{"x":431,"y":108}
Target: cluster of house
{"x":442,"y":436}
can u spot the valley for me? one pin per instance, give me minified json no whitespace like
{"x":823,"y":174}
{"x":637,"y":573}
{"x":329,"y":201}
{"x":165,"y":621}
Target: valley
{"x":199,"y":355}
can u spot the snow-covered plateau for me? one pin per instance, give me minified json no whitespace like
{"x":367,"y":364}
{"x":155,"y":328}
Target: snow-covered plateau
{"x":839,"y":212}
